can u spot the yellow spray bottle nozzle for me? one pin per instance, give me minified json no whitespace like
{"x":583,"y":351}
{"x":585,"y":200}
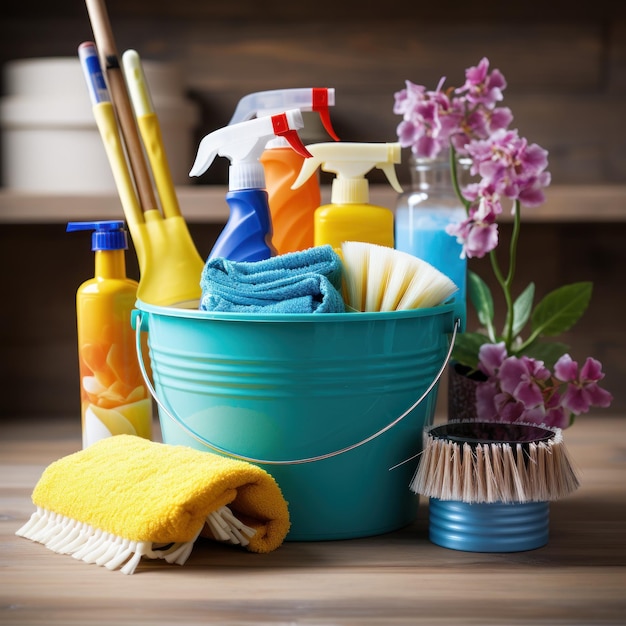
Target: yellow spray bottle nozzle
{"x":350,"y":161}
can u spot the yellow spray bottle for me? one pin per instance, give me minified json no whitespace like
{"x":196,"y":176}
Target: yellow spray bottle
{"x":350,"y":216}
{"x":114,"y":399}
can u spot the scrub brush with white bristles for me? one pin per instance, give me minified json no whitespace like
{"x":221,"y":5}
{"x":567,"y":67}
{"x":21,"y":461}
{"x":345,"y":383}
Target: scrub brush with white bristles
{"x":486,"y":462}
{"x":378,"y":278}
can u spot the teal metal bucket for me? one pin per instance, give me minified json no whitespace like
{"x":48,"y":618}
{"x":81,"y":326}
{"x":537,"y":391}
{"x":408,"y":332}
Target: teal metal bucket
{"x":327,"y":403}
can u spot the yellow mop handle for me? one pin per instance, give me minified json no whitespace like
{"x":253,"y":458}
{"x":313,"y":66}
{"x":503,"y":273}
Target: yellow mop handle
{"x":107,"y":125}
{"x":107,"y":50}
{"x":150,"y":131}
{"x":153,"y":142}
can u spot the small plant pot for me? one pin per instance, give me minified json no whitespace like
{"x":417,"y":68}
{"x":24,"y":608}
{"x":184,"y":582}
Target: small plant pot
{"x":462,"y":392}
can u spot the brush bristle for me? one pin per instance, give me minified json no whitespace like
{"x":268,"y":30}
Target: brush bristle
{"x":538,"y":471}
{"x":384,"y":279}
{"x":354,"y":280}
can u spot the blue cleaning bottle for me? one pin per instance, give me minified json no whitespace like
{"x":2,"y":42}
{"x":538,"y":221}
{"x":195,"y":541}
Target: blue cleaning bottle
{"x":248,"y":231}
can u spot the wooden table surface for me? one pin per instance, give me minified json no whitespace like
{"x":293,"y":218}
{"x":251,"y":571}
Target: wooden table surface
{"x":398,"y":578}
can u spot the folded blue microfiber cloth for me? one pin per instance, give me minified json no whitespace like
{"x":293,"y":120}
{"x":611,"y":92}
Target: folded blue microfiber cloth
{"x":307,"y":281}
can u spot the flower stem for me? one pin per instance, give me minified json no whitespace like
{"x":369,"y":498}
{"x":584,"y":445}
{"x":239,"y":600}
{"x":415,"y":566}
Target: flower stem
{"x":454,"y":174}
{"x":506,"y":283}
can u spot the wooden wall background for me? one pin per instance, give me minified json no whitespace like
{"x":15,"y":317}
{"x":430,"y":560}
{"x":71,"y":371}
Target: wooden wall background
{"x":566,"y":69}
{"x":566,"y":66}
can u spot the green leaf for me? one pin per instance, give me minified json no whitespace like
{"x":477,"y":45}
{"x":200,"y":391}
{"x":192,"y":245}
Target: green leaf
{"x":561,"y":309}
{"x":480,"y":296}
{"x":522,"y":308}
{"x":466,"y":348}
{"x":548,"y":352}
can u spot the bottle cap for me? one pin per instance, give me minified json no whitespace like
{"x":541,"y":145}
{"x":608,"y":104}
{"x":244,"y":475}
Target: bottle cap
{"x":107,"y":235}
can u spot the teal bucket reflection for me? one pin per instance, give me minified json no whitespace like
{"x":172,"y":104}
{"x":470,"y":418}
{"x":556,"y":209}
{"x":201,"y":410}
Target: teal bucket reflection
{"x":295,"y":393}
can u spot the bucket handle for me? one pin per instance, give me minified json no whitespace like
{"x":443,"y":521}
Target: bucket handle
{"x":137,"y":321}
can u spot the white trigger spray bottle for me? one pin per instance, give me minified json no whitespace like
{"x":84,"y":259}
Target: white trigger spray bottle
{"x":247,"y":234}
{"x":291,"y":209}
{"x":349,"y":216}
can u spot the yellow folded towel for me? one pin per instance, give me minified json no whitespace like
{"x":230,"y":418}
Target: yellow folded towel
{"x":125,"y":497}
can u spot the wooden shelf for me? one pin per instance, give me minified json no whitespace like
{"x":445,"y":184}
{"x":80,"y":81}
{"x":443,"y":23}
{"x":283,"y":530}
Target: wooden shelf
{"x":205,"y":204}
{"x":198,"y":204}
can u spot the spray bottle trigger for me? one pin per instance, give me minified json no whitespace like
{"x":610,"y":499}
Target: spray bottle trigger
{"x":320,"y":105}
{"x":390,"y":173}
{"x":280,"y":124}
{"x":204,"y":158}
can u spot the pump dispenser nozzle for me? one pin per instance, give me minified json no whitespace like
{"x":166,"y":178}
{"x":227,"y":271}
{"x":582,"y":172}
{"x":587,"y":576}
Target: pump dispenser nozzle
{"x":350,"y":162}
{"x":107,"y":235}
{"x":243,"y":144}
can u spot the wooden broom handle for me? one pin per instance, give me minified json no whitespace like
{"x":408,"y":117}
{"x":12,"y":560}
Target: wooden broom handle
{"x":105,"y":43}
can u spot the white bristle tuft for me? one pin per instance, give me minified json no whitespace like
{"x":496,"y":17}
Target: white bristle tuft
{"x":379,"y":271}
{"x":355,"y":279}
{"x":378,"y":278}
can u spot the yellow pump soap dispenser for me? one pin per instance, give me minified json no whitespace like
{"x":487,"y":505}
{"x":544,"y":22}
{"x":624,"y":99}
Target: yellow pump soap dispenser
{"x":113,"y":397}
{"x":350,"y":216}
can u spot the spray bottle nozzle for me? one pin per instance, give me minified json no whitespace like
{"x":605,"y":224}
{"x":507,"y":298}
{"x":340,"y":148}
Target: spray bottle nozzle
{"x":281,"y":127}
{"x":243,"y":144}
{"x":350,"y":162}
{"x":264,"y":103}
{"x":107,"y":235}
{"x":320,"y":99}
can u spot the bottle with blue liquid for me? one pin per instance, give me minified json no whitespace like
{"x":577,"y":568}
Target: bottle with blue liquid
{"x":421,"y":217}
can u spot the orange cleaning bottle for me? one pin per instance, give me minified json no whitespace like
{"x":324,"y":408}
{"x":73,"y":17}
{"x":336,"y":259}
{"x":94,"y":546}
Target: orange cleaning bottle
{"x":113,"y":396}
{"x":291,"y":210}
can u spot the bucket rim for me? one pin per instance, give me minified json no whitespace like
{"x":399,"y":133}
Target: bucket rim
{"x":191,"y":311}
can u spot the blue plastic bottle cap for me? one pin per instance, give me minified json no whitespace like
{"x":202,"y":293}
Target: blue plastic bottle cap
{"x":107,"y":235}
